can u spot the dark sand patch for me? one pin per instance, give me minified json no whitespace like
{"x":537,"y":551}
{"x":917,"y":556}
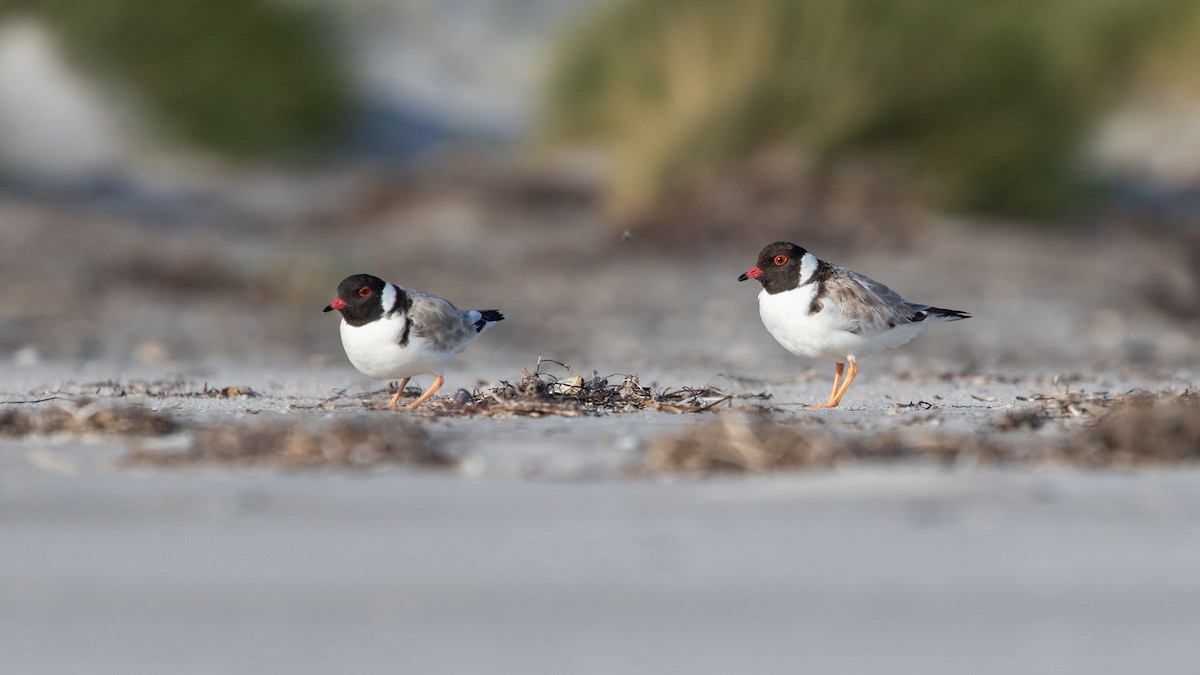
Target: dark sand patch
{"x":85,"y":416}
{"x":348,"y":443}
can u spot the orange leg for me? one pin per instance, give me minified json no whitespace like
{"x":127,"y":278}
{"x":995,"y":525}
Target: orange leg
{"x":399,"y":392}
{"x":840,"y":385}
{"x":846,"y":383}
{"x":437,"y":384}
{"x":838,"y":369}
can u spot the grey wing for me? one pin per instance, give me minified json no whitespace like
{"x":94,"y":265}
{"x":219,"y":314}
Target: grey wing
{"x":868,"y":306}
{"x":439,"y":321}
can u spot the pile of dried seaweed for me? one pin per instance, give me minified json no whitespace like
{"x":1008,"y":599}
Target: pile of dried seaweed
{"x":540,"y":394}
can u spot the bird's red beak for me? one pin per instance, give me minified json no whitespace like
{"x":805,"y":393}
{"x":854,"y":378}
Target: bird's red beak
{"x":337,"y":304}
{"x":752,"y":273}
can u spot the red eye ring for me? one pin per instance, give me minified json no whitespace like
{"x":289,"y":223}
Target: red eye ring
{"x":364,"y":292}
{"x":780,"y":260}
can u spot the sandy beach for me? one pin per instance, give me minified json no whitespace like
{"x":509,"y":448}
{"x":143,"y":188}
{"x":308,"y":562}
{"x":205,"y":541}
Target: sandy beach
{"x":951,"y":525}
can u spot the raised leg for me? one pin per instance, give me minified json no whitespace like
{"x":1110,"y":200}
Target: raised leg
{"x":399,"y":392}
{"x":437,"y":384}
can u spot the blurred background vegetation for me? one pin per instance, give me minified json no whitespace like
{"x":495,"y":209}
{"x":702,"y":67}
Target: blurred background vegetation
{"x":980,"y":107}
{"x":987,"y":102}
{"x":244,"y":78}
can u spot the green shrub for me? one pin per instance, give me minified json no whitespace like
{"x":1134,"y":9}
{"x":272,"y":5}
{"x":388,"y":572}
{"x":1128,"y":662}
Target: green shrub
{"x":990,"y":99}
{"x":248,"y":78}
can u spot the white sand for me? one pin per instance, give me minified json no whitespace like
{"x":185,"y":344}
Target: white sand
{"x":902,"y":569}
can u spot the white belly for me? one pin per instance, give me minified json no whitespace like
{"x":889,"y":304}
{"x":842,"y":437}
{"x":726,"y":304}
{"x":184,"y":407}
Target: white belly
{"x":374,"y":349}
{"x":822,"y":335}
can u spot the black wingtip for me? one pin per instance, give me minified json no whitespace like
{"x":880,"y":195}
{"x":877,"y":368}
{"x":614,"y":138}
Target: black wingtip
{"x":948,"y":314}
{"x":487,"y":316}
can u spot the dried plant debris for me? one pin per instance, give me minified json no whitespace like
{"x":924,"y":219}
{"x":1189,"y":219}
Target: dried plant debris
{"x":911,"y":406}
{"x":540,"y":393}
{"x":85,"y":417}
{"x":350,"y":443}
{"x":233,"y":391}
{"x":543,"y":394}
{"x":174,"y":387}
{"x":1066,"y":405}
{"x":340,"y":400}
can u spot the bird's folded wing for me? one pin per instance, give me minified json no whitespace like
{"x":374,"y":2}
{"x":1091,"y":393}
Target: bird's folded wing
{"x":867,"y":306}
{"x":439,"y":321}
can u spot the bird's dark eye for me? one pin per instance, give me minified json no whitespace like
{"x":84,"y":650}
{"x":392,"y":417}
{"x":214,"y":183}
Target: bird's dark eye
{"x":780,"y":260}
{"x":364,"y":292}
